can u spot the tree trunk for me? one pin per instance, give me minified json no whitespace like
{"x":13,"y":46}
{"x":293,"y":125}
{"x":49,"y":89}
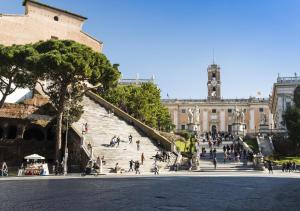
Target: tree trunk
{"x":58,"y":135}
{"x":3,"y":100}
{"x":60,"y":111}
{"x":5,"y":94}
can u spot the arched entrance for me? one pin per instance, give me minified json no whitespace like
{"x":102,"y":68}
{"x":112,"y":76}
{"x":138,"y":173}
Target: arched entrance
{"x":11,"y":132}
{"x":1,"y":133}
{"x":33,"y":133}
{"x":213,"y":131}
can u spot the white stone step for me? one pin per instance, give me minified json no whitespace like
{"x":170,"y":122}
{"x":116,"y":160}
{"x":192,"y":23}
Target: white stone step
{"x":102,"y":127}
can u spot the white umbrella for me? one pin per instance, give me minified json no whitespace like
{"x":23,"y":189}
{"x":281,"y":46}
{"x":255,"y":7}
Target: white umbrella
{"x":34,"y":157}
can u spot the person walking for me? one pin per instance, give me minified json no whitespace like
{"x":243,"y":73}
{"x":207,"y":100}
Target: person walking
{"x":156,"y":169}
{"x":283,"y":166}
{"x":294,"y":166}
{"x":130,"y":139}
{"x":138,"y":145}
{"x":137,"y":167}
{"x":215,"y":152}
{"x":142,"y":159}
{"x":86,"y":128}
{"x":118,"y":141}
{"x":270,"y":167}
{"x":225,"y":157}
{"x":215,"y":162}
{"x":130,"y":165}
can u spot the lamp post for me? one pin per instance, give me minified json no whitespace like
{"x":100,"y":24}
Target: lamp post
{"x":69,"y":90}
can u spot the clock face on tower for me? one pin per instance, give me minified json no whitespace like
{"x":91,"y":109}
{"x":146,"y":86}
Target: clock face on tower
{"x":214,"y":83}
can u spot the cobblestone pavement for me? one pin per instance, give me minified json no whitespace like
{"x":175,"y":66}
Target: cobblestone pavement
{"x":152,"y":193}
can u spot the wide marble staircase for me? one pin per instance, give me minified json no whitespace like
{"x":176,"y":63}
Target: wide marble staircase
{"x":206,"y":164}
{"x":103,"y":125}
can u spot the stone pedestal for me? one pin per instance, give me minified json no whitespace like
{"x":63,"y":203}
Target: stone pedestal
{"x":195,"y":162}
{"x":238,"y":129}
{"x":193,"y":127}
{"x":258,"y":162}
{"x":264,"y":129}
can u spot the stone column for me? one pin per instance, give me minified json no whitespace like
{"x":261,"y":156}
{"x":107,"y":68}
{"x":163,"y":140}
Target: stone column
{"x":20,"y":131}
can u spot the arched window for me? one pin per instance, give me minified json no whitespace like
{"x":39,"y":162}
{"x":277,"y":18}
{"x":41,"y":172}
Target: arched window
{"x":1,"y":133}
{"x":11,"y":132}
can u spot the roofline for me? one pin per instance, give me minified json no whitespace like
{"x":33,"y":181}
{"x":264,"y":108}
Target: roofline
{"x":54,"y":8}
{"x":90,"y":36}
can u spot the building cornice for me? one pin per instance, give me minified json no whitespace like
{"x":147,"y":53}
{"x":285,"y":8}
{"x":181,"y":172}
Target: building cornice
{"x":54,"y":8}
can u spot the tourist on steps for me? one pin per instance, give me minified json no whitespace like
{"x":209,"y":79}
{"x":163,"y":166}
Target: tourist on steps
{"x":156,"y":169}
{"x":137,"y":167}
{"x":118,"y":141}
{"x":138,"y":145}
{"x":130,"y":165}
{"x":142,"y":159}
{"x":130,"y":138}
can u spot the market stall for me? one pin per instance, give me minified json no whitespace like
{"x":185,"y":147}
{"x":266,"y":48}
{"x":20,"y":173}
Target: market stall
{"x":36,"y":165}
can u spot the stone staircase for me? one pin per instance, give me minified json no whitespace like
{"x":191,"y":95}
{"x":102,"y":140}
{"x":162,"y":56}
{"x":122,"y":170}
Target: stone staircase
{"x":206,"y":164}
{"x":102,"y":126}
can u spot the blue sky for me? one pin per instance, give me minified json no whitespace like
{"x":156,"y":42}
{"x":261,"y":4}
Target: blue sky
{"x":253,"y":40}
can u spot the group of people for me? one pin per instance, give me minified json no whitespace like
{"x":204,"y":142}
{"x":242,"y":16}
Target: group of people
{"x":163,"y":156}
{"x":136,"y":165}
{"x":218,"y":137}
{"x":289,"y":167}
{"x":115,"y":141}
{"x":236,"y":152}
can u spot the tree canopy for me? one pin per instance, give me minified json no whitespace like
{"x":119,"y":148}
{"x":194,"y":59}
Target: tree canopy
{"x":14,"y":71}
{"x":142,"y":102}
{"x":292,"y":118}
{"x":69,"y":67}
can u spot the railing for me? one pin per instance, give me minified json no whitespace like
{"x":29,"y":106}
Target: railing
{"x":89,"y":153}
{"x":135,"y":81}
{"x":223,"y":101}
{"x":288,"y":79}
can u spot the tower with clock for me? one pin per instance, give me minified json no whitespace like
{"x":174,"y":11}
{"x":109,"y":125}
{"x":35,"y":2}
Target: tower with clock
{"x":214,"y":82}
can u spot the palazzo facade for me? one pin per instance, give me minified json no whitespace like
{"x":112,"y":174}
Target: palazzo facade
{"x":216,"y":114}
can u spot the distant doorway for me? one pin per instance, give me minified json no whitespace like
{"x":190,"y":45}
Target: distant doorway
{"x":229,"y":128}
{"x":214,"y":129}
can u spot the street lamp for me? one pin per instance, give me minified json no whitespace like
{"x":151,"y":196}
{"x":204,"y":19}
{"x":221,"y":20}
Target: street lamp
{"x":69,"y":90}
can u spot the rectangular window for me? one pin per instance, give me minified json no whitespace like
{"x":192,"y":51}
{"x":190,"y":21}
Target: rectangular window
{"x":183,"y":111}
{"x":288,"y":104}
{"x":229,"y":110}
{"x":182,"y":127}
{"x":261,"y":109}
{"x":54,"y":38}
{"x":214,"y":111}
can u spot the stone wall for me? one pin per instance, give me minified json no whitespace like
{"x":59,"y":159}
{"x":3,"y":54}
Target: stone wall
{"x":20,"y":138}
{"x":77,"y":158}
{"x":39,"y":24}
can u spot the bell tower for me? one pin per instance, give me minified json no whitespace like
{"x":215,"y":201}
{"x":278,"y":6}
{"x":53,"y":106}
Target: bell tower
{"x":214,"y":82}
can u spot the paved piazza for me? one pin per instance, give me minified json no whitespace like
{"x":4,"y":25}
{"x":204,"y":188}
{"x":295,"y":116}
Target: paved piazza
{"x":253,"y":192}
